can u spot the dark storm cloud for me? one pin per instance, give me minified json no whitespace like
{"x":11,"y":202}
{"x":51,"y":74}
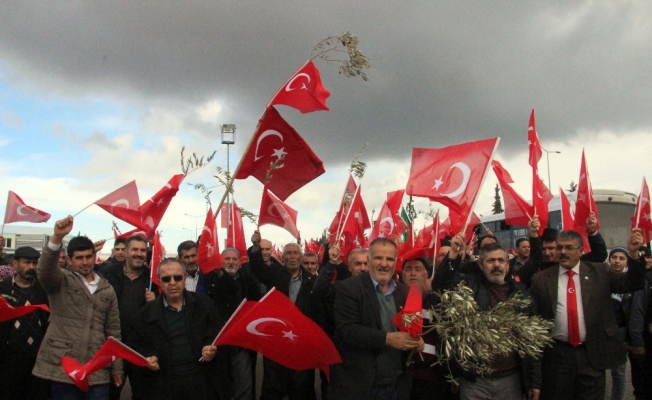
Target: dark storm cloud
{"x":442,"y":72}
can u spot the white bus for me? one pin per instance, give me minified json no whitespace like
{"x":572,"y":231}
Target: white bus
{"x":615,"y":210}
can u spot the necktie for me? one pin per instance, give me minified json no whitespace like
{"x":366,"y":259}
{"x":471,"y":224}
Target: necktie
{"x":571,"y":306}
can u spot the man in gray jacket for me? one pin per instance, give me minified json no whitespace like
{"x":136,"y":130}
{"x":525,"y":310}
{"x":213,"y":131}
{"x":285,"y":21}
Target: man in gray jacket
{"x":83,"y":314}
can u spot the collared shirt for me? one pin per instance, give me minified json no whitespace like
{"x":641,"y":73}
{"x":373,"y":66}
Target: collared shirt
{"x":92,"y":285}
{"x":169,"y":307}
{"x":191,"y":282}
{"x":560,"y":331}
{"x":379,"y":288}
{"x":295,"y":286}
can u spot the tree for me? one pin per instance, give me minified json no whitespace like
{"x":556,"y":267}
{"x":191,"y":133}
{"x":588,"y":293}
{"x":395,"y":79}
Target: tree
{"x":573,"y":186}
{"x":498,"y":205}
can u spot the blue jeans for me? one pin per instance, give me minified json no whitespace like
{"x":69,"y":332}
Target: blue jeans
{"x":68,"y":391}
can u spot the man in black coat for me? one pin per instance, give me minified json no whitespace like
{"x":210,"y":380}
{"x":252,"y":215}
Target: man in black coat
{"x":174,"y":332}
{"x":296,"y":283}
{"x":372,"y":350}
{"x":130,"y":279}
{"x":228,"y":286}
{"x":20,"y":338}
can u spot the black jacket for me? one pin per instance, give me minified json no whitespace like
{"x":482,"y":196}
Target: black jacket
{"x":323,"y":295}
{"x":149,"y":336}
{"x":228,"y":292}
{"x":6,"y":290}
{"x":279,"y":277}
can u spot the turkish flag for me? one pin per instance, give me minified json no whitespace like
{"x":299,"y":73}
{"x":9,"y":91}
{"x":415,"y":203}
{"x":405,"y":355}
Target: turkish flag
{"x":276,"y":328}
{"x":8,"y":312}
{"x":641,"y":218}
{"x":18,"y":211}
{"x":410,"y":318}
{"x":275,"y":212}
{"x":356,"y":219}
{"x":347,"y":197}
{"x":123,"y":203}
{"x":534,"y":146}
{"x":157,"y":257}
{"x":235,"y":236}
{"x":303,"y":91}
{"x":312,"y":246}
{"x":568,"y":220}
{"x":452,"y":175}
{"x":152,"y":210}
{"x":542,"y":197}
{"x":585,"y":202}
{"x":134,"y":232}
{"x":389,"y":223}
{"x":456,"y":223}
{"x":208,"y":249}
{"x":517,"y":211}
{"x":273,"y":139}
{"x":110,"y":351}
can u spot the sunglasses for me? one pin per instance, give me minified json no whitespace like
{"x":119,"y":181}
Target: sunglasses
{"x":168,"y":278}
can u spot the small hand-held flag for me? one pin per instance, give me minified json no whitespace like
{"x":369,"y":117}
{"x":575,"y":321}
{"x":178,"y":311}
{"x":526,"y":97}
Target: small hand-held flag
{"x":110,"y":351}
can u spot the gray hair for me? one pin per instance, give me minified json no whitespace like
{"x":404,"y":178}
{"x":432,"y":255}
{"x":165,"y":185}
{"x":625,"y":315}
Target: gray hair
{"x":231,"y":249}
{"x":489,"y":248}
{"x":353,"y":252}
{"x":571,"y":235}
{"x":166,"y":261}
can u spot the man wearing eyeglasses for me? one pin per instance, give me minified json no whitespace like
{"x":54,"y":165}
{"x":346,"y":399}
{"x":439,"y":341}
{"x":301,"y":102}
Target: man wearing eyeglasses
{"x":174,"y":332}
{"x":577,"y":296}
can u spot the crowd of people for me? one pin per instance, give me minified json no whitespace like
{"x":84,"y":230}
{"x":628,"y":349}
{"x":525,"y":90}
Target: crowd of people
{"x":602,"y":313}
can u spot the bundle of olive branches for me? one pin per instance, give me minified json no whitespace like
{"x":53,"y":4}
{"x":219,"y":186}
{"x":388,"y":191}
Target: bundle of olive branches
{"x":471,"y":337}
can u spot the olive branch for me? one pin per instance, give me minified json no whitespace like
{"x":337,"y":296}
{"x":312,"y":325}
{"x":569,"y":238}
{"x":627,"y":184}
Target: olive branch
{"x":347,"y":44}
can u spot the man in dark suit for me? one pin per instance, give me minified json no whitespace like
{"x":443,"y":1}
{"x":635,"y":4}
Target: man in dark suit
{"x":373,"y":352}
{"x":577,"y":296}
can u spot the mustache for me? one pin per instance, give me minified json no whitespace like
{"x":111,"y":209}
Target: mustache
{"x":564,"y":257}
{"x":30,"y":273}
{"x":383,"y":269}
{"x":497,"y":269}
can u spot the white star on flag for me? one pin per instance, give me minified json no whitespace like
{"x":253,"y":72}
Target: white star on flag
{"x":438,"y":183}
{"x":279,"y":152}
{"x":289,"y":335}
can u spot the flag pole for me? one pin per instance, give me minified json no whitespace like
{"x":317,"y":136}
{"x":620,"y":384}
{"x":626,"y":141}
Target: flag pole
{"x":339,"y":233}
{"x":638,"y":205}
{"x":237,"y":169}
{"x":484,"y":177}
{"x":434,"y":248}
{"x":3,"y":221}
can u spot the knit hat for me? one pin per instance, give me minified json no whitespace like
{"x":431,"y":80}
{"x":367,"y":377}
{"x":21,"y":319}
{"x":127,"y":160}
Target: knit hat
{"x":619,"y":250}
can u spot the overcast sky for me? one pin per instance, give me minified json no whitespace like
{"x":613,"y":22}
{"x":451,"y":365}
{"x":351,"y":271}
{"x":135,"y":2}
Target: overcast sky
{"x":95,"y":94}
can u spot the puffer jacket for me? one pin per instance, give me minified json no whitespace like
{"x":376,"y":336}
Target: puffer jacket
{"x":80,"y":323}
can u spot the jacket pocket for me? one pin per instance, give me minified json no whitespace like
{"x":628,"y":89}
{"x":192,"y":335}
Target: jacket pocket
{"x":57,"y":349}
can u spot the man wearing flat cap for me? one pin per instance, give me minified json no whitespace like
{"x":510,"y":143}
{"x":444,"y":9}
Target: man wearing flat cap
{"x":20,"y":338}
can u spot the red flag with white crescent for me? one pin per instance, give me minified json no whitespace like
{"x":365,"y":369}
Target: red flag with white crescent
{"x":641,"y":218}
{"x":585,"y":202}
{"x":452,"y":175}
{"x":152,"y":210}
{"x":235,"y":236}
{"x":534,"y":146}
{"x":110,"y":351}
{"x":18,"y":211}
{"x":568,"y":220}
{"x":410,"y":318}
{"x":123,"y":203}
{"x":157,"y":257}
{"x":208,"y":250}
{"x":303,"y":91}
{"x":276,"y":328}
{"x":389,"y":223}
{"x":273,"y":139}
{"x":275,"y":212}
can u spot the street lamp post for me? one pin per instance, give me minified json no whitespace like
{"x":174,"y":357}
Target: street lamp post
{"x":196,"y":218}
{"x":228,"y":138}
{"x":548,"y":163}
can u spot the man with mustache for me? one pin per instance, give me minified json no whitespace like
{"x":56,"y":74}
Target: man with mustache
{"x":373,"y":351}
{"x":510,"y":372}
{"x":130,"y":280}
{"x":577,"y":296}
{"x":187,"y":255}
{"x":20,"y":338}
